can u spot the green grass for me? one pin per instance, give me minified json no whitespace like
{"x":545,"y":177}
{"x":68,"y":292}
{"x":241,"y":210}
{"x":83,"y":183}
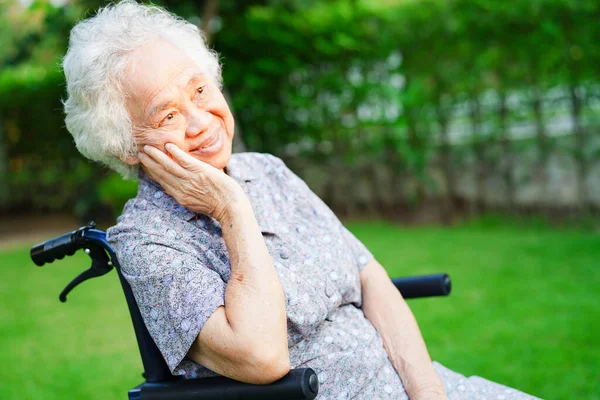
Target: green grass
{"x":525,"y":312}
{"x":525,"y":306}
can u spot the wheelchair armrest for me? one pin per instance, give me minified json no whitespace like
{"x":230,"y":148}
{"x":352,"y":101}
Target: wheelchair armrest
{"x":298,"y":384}
{"x":424,"y":286}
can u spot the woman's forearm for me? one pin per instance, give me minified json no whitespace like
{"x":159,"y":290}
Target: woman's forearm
{"x":388,"y":312}
{"x":254,"y":299}
{"x":246,"y":340}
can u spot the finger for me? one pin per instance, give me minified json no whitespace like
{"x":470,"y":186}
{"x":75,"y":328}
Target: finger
{"x":165,"y":161}
{"x":184,"y":159}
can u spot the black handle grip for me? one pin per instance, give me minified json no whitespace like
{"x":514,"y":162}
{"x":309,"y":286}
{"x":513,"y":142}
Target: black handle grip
{"x":298,"y":384}
{"x":424,"y":286}
{"x":54,"y":249}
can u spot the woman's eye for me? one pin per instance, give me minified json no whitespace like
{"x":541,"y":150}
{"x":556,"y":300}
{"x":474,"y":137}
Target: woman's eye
{"x":168,"y":118}
{"x":200,"y":93}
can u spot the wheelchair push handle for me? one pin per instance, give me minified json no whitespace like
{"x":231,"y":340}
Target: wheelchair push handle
{"x":66,"y":245}
{"x":54,"y":249}
{"x":61,"y":246}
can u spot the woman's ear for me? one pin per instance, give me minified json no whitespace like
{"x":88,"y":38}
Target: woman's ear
{"x":130,"y":160}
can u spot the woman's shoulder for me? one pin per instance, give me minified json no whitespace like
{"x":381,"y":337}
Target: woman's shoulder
{"x":255,"y":159}
{"x":249,"y":166}
{"x":153,"y":215}
{"x":152,"y":206}
{"x":254,"y":156}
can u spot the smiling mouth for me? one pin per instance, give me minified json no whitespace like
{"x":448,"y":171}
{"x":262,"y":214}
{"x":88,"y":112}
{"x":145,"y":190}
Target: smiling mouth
{"x":212,"y":145}
{"x":210,"y":141}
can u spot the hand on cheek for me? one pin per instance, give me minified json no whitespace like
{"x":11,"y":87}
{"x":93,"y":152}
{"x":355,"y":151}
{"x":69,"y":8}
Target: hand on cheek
{"x":194,"y":184}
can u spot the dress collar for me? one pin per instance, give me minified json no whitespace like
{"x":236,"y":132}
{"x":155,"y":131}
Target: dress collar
{"x":239,"y":170}
{"x":244,"y":169}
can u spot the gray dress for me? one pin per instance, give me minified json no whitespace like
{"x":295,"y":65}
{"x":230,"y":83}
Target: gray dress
{"x":178,"y":267}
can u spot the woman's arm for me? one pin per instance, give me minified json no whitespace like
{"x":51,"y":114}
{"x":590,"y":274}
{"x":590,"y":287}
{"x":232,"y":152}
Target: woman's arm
{"x":247,"y":338}
{"x":384,"y":306}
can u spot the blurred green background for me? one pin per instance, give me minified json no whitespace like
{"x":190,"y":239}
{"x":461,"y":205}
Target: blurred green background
{"x":452,"y":135}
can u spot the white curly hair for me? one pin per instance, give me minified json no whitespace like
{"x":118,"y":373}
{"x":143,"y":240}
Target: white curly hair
{"x":100,"y":48}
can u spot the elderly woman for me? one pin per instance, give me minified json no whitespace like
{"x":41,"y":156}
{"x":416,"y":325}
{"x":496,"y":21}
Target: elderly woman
{"x":237,"y":267}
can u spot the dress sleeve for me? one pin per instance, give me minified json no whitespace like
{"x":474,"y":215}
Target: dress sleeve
{"x":360,"y":254}
{"x":175,"y":284}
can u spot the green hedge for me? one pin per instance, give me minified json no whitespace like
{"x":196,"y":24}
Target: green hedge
{"x":344,"y":80}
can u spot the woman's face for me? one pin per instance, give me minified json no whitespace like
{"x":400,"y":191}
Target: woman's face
{"x":171,"y":100}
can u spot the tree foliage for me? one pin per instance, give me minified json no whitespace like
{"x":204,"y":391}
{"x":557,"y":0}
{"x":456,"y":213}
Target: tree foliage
{"x":338,"y":81}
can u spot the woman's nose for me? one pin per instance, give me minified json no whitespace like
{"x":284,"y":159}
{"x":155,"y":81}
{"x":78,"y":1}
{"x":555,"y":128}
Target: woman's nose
{"x":199,"y":121}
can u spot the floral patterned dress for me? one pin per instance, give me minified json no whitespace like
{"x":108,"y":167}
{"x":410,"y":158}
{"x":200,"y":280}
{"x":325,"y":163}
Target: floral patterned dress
{"x":177,"y":265}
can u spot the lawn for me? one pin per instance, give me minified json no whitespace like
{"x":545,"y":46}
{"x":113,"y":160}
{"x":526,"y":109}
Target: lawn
{"x":525,"y":311}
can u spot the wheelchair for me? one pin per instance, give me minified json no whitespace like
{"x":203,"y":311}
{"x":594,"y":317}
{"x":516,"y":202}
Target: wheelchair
{"x":160,"y":384}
